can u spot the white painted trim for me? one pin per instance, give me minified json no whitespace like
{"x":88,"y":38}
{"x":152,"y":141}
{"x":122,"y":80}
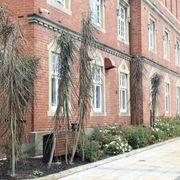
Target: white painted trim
{"x":66,"y":9}
{"x":152,"y":18}
{"x":99,"y":61}
{"x":167,"y":81}
{"x":123,"y":68}
{"x":165,"y":30}
{"x":99,"y":26}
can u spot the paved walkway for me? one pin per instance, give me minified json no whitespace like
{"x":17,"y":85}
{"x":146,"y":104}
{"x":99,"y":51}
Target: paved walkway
{"x":160,"y":163}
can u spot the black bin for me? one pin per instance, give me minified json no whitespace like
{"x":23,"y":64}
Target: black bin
{"x":47,"y":147}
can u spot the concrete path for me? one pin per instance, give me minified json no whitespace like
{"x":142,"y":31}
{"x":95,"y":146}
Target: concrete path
{"x":160,"y":163}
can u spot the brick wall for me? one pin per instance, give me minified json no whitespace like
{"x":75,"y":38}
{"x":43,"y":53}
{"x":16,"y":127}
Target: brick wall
{"x":140,"y":13}
{"x":39,"y":37}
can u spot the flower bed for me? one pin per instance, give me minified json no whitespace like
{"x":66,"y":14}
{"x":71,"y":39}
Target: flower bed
{"x":112,"y":140}
{"x":103,"y":142}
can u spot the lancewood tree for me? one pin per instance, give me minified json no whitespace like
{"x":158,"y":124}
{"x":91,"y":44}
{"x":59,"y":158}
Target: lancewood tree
{"x":85,"y":81}
{"x":17,"y":76}
{"x":66,"y":46}
{"x":155,"y":83}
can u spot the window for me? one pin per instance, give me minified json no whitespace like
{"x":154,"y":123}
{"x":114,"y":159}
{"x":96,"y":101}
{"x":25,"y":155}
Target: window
{"x":122,"y":22}
{"x":63,"y":5}
{"x":60,"y":2}
{"x":152,"y":35}
{"x":97,"y":12}
{"x":177,"y":53}
{"x":54,"y":80}
{"x":123,"y":92}
{"x":167,"y":98}
{"x":178,"y":100}
{"x":166,"y":45}
{"x":97,"y":88}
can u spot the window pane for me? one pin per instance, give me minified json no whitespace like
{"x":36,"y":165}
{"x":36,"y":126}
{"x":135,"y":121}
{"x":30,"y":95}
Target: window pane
{"x":97,"y":88}
{"x":53,"y":92}
{"x":167,"y":98}
{"x":97,"y":73}
{"x":98,"y":97}
{"x":123,"y":92}
{"x":61,"y":2}
{"x":54,"y":79}
{"x":123,"y":79}
{"x":166,"y":39}
{"x":152,"y":35}
{"x":97,"y":11}
{"x":123,"y":100}
{"x":122,"y":22}
{"x":54,"y":64}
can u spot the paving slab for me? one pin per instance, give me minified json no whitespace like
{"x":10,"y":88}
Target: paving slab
{"x":159,"y":163}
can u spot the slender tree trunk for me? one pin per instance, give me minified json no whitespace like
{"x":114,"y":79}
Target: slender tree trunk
{"x":76,"y":144}
{"x":13,"y":149}
{"x":66,"y":134}
{"x":52,"y":151}
{"x":83,"y":144}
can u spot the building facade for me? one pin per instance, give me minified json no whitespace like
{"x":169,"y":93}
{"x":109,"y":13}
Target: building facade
{"x":148,"y":29}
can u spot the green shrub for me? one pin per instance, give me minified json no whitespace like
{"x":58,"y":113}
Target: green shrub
{"x":117,"y":146}
{"x":96,"y":134}
{"x":158,"y":134}
{"x":165,"y":126}
{"x":105,"y":135}
{"x":138,"y":136}
{"x":115,"y":139}
{"x":111,"y":130}
{"x":176,"y":124}
{"x":92,"y":151}
{"x":177,"y":131}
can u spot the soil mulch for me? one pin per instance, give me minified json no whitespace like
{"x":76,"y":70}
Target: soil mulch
{"x":26,"y":168}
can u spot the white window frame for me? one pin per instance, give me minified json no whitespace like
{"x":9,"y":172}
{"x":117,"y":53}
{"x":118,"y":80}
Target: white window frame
{"x":97,"y":82}
{"x":61,"y":2}
{"x":152,"y":35}
{"x":166,"y":44}
{"x":55,"y":76}
{"x":123,"y":91}
{"x":123,"y":18}
{"x":63,"y":5}
{"x":122,"y":30}
{"x":97,"y":9}
{"x":167,"y":98}
{"x":123,"y":70}
{"x":178,"y":100}
{"x":177,"y":53}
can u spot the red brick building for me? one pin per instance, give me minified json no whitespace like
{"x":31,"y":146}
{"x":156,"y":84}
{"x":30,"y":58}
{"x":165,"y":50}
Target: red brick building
{"x":149,"y":29}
